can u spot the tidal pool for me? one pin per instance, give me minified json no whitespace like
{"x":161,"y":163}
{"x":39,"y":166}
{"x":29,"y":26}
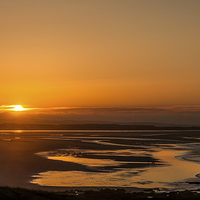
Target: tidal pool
{"x":168,"y":170}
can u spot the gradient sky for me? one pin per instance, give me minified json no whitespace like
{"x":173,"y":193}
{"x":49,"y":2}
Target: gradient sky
{"x":100,"y":53}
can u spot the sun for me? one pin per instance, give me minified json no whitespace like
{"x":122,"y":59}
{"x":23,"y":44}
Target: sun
{"x":18,"y":108}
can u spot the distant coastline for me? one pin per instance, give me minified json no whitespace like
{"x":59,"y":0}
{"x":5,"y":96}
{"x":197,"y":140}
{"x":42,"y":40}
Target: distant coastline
{"x":15,"y":126}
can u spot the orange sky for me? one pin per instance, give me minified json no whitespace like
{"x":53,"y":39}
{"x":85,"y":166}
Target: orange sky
{"x":99,"y":53}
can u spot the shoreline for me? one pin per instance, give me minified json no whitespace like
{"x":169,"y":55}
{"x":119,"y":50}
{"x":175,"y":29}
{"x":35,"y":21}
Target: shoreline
{"x":91,"y":126}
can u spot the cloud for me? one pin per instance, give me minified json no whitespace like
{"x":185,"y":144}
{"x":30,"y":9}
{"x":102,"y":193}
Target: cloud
{"x":184,"y":114}
{"x":112,"y":111}
{"x":183,"y":109}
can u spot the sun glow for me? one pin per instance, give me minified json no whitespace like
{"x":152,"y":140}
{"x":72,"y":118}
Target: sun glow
{"x":18,"y":108}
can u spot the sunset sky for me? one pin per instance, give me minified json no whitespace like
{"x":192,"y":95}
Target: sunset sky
{"x":92,"y":59}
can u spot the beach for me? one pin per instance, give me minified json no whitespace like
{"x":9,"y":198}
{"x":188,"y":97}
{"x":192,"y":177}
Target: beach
{"x":59,"y":160}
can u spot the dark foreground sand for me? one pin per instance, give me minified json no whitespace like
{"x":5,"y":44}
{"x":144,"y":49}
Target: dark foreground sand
{"x":105,"y":194}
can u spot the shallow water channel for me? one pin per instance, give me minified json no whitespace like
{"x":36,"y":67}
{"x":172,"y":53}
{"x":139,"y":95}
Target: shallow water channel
{"x":170,"y":170}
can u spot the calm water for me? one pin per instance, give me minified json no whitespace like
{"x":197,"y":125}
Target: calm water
{"x":144,"y":159}
{"x":173,"y":173}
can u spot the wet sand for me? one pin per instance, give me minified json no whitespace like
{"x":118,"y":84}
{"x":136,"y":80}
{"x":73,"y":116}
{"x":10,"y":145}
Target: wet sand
{"x":19,"y":160}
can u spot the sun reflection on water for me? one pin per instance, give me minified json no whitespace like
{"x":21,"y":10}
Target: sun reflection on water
{"x":174,"y":172}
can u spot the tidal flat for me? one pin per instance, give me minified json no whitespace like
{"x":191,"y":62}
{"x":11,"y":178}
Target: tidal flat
{"x":134,"y":160}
